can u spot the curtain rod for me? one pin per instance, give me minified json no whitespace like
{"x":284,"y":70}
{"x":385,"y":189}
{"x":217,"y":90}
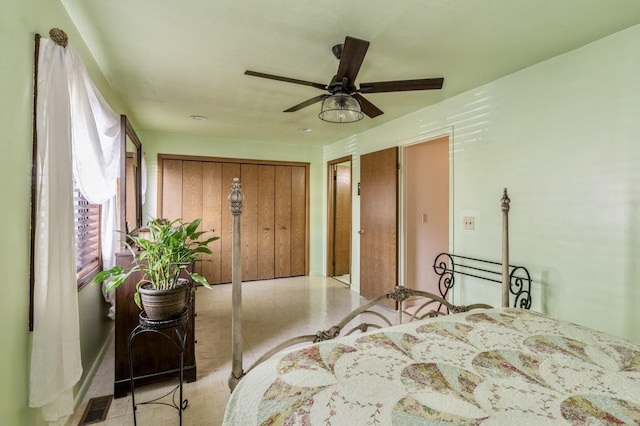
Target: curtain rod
{"x":59,"y":36}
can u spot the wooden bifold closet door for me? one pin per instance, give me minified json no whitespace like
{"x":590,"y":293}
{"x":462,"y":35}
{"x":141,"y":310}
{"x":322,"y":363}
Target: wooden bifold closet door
{"x":274,"y":218}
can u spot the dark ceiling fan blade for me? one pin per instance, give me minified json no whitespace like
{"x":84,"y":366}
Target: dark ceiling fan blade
{"x":351,"y":59}
{"x":286,"y":79}
{"x":367,"y":107}
{"x":402,"y":85}
{"x":306,"y":103}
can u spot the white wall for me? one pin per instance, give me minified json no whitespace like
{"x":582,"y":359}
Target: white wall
{"x":562,"y":136}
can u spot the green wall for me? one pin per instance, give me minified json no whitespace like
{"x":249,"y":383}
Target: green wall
{"x":19,"y":22}
{"x":162,"y":143}
{"x":562,"y":135}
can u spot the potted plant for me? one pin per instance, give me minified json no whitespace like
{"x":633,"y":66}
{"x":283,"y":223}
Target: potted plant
{"x":163,"y":255}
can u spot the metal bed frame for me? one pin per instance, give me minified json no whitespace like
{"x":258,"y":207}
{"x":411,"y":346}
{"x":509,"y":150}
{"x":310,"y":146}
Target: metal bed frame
{"x":448,"y":265}
{"x":513,"y":279}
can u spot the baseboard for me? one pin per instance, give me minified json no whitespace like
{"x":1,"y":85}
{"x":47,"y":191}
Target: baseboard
{"x":84,"y":387}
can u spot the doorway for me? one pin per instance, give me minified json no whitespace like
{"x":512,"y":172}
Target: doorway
{"x":339,"y":219}
{"x":426,"y":211}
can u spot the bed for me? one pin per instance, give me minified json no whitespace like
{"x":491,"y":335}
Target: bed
{"x":491,"y":366}
{"x":442,"y":364}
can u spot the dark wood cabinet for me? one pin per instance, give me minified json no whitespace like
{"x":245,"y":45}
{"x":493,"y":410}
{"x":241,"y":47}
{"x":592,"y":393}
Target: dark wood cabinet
{"x":155,"y":358}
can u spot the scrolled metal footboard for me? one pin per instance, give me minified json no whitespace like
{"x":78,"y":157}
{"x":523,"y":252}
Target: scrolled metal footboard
{"x":515,"y":280}
{"x":520,"y":286}
{"x":426,"y":305}
{"x":444,"y":265}
{"x":447,"y":265}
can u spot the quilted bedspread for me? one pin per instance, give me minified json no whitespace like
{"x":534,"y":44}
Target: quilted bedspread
{"x":489,"y":367}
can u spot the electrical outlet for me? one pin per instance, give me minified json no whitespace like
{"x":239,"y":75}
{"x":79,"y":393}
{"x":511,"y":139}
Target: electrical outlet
{"x":468,"y":222}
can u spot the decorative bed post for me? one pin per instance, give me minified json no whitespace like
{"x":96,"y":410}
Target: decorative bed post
{"x":236,"y":198}
{"x":505,"y":249}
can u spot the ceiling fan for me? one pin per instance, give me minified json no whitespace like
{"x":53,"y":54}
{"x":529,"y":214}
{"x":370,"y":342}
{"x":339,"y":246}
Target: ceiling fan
{"x":342,"y":88}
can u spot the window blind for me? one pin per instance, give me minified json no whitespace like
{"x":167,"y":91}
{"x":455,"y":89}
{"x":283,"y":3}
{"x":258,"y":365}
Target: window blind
{"x":87,"y":232}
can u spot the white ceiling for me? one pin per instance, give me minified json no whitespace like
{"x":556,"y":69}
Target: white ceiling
{"x":168,"y":59}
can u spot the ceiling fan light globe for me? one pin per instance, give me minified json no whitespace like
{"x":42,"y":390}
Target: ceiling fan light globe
{"x":340,"y":108}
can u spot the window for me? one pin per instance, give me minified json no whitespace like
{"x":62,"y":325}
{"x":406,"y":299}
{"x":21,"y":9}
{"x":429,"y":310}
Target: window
{"x":87,"y":217}
{"x":87,"y":228}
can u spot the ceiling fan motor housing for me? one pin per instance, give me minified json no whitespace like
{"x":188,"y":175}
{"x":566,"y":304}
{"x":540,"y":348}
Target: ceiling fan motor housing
{"x":337,"y":86}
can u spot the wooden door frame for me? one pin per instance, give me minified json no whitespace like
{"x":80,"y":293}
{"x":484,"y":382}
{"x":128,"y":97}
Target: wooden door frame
{"x":331,"y":213}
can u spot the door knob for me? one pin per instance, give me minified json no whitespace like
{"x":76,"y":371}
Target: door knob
{"x":361,"y":232}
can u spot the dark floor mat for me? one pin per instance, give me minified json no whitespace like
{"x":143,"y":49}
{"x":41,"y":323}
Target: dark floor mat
{"x":96,"y":410}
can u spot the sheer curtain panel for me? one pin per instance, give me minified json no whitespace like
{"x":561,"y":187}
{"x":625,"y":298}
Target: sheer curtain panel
{"x":77,"y":134}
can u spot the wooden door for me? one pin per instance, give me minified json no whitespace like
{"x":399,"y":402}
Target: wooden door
{"x":378,"y":223}
{"x":249,"y":221}
{"x":274,"y":219}
{"x":192,"y":200}
{"x":342,"y":220}
{"x":298,"y":237}
{"x":212,"y":209}
{"x":283,"y":222}
{"x":266,"y":222}
{"x":171,"y":201}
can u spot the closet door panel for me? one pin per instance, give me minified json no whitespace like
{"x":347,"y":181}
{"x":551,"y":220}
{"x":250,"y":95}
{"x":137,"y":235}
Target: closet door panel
{"x":274,"y":219}
{"x":229,"y":171}
{"x":191,"y":190}
{"x":283,"y":222}
{"x":212,"y":208}
{"x":266,"y":222}
{"x":298,"y":221}
{"x":249,"y":220}
{"x":171,"y":204}
{"x":192,"y":195}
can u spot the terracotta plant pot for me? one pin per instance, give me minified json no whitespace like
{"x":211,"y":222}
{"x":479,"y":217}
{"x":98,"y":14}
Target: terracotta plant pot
{"x":165,"y":304}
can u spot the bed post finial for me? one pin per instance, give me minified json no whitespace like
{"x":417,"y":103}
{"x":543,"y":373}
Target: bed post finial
{"x":236,"y":198}
{"x":505,"y":248}
{"x":505,"y":201}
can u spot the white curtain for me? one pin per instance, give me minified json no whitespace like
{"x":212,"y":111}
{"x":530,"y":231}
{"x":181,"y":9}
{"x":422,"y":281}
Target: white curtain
{"x":76,"y":131}
{"x":143,"y":180}
{"x":55,"y":354}
{"x":96,"y":136}
{"x":109,"y":243}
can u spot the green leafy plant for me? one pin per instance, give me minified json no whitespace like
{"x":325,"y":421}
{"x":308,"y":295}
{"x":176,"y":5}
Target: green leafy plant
{"x":162,"y":255}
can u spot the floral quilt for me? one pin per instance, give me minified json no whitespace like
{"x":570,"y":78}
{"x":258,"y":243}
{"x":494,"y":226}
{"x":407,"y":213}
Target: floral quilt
{"x":489,"y":367}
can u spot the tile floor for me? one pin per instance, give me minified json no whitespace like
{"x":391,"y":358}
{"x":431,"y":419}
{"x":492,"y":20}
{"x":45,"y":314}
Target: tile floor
{"x":346,"y":278}
{"x":273,"y":311}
